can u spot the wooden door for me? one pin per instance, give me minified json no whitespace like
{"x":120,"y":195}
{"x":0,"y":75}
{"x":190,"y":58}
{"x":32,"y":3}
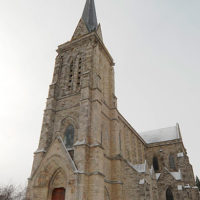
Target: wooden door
{"x":58,"y":194}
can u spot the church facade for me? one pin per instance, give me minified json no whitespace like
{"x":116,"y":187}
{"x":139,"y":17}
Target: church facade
{"x":87,"y":149}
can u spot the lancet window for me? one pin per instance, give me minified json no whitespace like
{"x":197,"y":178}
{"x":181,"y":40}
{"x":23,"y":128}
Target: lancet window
{"x":172,"y":162}
{"x":69,"y":140}
{"x":69,"y":137}
{"x":155,"y":164}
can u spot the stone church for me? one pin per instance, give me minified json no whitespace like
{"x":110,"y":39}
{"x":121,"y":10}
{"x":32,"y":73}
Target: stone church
{"x":87,"y":149}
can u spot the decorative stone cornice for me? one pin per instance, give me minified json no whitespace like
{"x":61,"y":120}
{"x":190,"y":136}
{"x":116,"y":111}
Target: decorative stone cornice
{"x":73,"y":43}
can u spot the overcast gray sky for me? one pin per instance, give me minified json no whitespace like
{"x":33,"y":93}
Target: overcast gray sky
{"x":155,"y":45}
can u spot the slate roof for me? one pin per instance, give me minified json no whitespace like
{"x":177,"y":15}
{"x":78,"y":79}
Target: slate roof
{"x":161,"y":135}
{"x":89,"y":15}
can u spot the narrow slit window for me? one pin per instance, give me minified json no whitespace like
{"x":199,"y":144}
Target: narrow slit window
{"x":172,"y":162}
{"x":155,"y":164}
{"x":70,"y":75}
{"x":79,"y":73}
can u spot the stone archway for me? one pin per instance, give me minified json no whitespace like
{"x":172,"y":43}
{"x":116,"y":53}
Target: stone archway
{"x":50,"y":178}
{"x":57,"y":185}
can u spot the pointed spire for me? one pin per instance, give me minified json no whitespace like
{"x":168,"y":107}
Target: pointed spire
{"x":89,"y":15}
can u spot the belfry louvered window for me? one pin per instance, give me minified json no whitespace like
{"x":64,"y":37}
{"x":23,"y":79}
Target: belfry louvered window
{"x":79,"y":73}
{"x":172,"y":162}
{"x":71,"y":72}
{"x":155,"y":164}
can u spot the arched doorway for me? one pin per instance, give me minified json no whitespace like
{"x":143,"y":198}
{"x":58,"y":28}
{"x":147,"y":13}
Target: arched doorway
{"x":58,"y":194}
{"x":169,"y":194}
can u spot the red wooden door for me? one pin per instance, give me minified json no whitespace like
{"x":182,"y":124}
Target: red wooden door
{"x":58,"y":194}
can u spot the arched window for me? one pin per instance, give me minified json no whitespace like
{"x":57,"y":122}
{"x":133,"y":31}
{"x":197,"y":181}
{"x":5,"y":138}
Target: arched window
{"x":155,"y":164}
{"x":69,"y":137}
{"x":172,"y":162}
{"x":169,"y":194}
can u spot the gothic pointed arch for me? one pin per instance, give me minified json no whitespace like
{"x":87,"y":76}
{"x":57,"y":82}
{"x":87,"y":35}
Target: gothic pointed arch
{"x":69,"y":120}
{"x":48,"y":172}
{"x":169,"y":194}
{"x":57,"y":185}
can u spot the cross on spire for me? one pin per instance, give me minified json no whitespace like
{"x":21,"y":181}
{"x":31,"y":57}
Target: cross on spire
{"x":89,"y":15}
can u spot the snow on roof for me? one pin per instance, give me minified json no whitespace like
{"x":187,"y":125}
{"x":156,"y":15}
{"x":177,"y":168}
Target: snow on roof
{"x":176,"y":175}
{"x":142,"y":181}
{"x":161,"y":135}
{"x":78,"y":143}
{"x":180,"y":187}
{"x":181,"y":154}
{"x":151,"y":170}
{"x":187,"y":186}
{"x":158,"y":176}
{"x":141,"y":168}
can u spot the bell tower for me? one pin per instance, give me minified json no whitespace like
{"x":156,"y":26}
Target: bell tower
{"x":69,"y":161}
{"x":87,"y":149}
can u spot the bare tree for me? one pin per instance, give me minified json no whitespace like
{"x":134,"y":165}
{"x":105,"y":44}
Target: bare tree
{"x":10,"y":192}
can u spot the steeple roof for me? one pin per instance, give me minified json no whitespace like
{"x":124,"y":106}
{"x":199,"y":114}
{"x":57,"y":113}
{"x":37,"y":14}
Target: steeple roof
{"x":89,"y":16}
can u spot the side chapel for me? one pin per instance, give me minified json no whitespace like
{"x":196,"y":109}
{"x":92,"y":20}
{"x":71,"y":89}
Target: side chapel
{"x":87,"y":149}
